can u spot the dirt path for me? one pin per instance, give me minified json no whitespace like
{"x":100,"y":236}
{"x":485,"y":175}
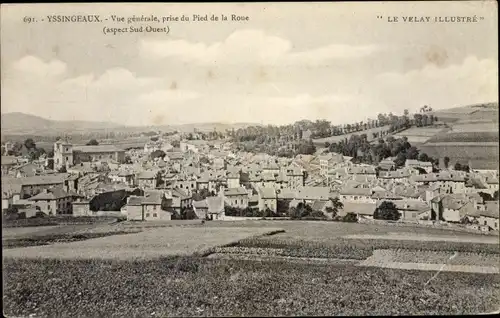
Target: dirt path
{"x":385,"y":259}
{"x":423,"y":237}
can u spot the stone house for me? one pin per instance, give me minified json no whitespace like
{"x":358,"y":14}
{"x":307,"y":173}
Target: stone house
{"x":54,"y":201}
{"x":148,"y":180}
{"x":236,"y":197}
{"x":267,"y":199}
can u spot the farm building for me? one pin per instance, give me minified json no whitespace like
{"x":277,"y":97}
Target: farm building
{"x":267,"y":199}
{"x":54,"y":201}
{"x":215,"y":207}
{"x":489,"y":217}
{"x":147,"y":207}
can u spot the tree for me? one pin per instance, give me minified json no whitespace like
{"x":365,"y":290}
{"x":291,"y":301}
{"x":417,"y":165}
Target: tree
{"x":16,"y":149}
{"x":202,"y":194}
{"x":336,"y":206}
{"x":176,"y":143}
{"x":350,"y":217}
{"x":157,"y":154}
{"x":35,"y":153}
{"x":282,"y":206}
{"x":424,"y":157}
{"x":154,"y":138}
{"x":29,"y":144}
{"x":412,"y":153}
{"x":386,"y":211}
{"x":188,"y":214}
{"x":446,"y":161}
{"x":63,"y":169}
{"x":128,"y":160}
{"x":487,"y":197}
{"x":400,"y":159}
{"x":92,"y":142}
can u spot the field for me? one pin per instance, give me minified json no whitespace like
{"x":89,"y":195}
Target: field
{"x":418,"y":135}
{"x":463,"y":152}
{"x":466,"y":136}
{"x":235,"y":269}
{"x":148,"y":244}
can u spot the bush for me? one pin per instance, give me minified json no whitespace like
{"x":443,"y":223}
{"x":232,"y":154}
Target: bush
{"x":350,"y":217}
{"x":387,"y":211}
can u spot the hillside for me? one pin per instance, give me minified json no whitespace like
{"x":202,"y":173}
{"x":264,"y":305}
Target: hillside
{"x":20,"y":123}
{"x":473,"y":113}
{"x":25,"y":124}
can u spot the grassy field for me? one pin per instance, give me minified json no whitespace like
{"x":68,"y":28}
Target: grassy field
{"x":140,"y":276}
{"x":458,"y":151}
{"x":152,"y":243}
{"x":466,"y":136}
{"x":206,"y":287}
{"x":325,"y":230}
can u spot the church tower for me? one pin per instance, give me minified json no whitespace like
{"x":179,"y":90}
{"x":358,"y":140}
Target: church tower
{"x":63,"y":154}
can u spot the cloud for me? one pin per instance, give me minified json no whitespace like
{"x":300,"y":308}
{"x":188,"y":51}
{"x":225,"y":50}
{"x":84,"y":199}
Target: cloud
{"x":248,"y":46}
{"x":45,"y":88}
{"x":165,"y":96}
{"x":472,"y":81}
{"x":118,"y":95}
{"x":35,"y":66}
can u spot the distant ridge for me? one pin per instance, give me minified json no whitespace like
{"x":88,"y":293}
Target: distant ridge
{"x":18,"y":123}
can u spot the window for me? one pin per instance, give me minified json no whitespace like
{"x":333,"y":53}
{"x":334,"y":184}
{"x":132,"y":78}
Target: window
{"x":496,"y":225}
{"x":241,"y":201}
{"x":154,"y":207}
{"x":100,"y":157}
{"x":110,"y":156}
{"x":155,"y":215}
{"x":485,"y":223}
{"x":147,"y":215}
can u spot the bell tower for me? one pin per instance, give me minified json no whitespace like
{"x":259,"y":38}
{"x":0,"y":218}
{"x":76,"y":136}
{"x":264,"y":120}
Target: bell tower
{"x":63,"y":154}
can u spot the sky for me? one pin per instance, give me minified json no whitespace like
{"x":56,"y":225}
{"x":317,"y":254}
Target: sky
{"x":290,"y":61}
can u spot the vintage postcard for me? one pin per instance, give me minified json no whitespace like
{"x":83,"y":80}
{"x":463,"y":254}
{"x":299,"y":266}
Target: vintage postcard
{"x":250,"y":159}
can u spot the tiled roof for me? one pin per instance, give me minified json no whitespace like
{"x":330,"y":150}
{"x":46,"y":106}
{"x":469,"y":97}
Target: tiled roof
{"x":200,"y":204}
{"x":147,"y":175}
{"x":37,"y":180}
{"x":135,"y":200}
{"x":267,"y":193}
{"x":153,"y":197}
{"x":215,"y":204}
{"x":319,"y":205}
{"x":235,"y":191}
{"x":51,"y":194}
{"x":359,"y":208}
{"x":356,"y":191}
{"x":286,"y":194}
{"x":492,"y":210}
{"x":313,"y":193}
{"x":98,"y":149}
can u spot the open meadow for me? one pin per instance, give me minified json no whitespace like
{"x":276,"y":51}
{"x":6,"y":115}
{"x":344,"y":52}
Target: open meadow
{"x":249,"y":268}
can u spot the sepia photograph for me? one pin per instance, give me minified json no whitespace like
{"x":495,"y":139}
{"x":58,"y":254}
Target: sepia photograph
{"x":250,"y":159}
